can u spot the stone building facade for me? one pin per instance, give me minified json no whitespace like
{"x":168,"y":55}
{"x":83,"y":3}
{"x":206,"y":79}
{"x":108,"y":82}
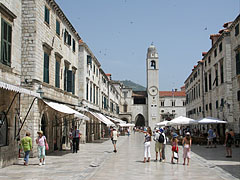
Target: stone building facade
{"x":211,"y":88}
{"x":96,"y":92}
{"x":235,"y":51}
{"x":172,"y":104}
{"x":40,"y":55}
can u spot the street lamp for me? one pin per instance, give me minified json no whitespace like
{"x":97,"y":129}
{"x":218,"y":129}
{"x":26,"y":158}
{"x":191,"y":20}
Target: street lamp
{"x":40,"y":91}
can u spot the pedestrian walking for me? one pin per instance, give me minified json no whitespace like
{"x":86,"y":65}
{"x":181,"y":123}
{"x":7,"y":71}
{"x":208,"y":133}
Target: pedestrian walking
{"x":41,"y":142}
{"x":114,"y":137}
{"x":164,"y":144}
{"x":228,"y":144}
{"x":26,"y":144}
{"x":159,"y":140}
{"x":76,"y":136}
{"x":174,"y":142}
{"x":147,"y":153}
{"x":187,"y":143}
{"x":70,"y":136}
{"x":210,"y":138}
{"x":157,"y":144}
{"x":215,"y":137}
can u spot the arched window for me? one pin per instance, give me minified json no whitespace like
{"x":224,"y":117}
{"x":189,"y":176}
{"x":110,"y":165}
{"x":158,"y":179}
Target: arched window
{"x":153,"y":64}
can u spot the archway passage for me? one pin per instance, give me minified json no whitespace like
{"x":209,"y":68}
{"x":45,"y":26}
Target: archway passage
{"x":140,"y":121}
{"x":44,"y":125}
{"x":125,"y":119}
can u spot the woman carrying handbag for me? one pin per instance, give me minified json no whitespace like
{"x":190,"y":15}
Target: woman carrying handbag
{"x":42,"y":146}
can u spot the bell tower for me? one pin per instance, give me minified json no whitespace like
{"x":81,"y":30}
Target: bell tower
{"x":153,"y":86}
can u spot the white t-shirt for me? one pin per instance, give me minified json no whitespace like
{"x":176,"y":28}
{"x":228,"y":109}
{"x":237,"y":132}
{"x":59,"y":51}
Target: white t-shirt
{"x":114,"y":135}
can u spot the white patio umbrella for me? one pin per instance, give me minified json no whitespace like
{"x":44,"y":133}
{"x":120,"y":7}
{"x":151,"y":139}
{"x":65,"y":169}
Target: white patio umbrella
{"x":211,"y":120}
{"x":181,"y":120}
{"x":163,"y":123}
{"x":126,"y":125}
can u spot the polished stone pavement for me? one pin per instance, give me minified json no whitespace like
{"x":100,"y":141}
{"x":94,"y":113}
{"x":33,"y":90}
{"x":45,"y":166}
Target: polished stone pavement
{"x":96,"y":161}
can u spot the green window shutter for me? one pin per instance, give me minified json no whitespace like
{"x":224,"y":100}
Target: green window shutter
{"x":69,"y":39}
{"x":65,"y":36}
{"x":46,"y":18}
{"x":94,"y":94}
{"x":87,"y":91}
{"x":73,"y":82}
{"x":6,"y":39}
{"x":89,"y":59}
{"x":90,"y":92}
{"x":57,"y":74}
{"x":58,"y":27}
{"x":69,"y":81}
{"x":46,"y":68}
{"x":73,"y":45}
{"x":238,"y":63}
{"x":65,"y":79}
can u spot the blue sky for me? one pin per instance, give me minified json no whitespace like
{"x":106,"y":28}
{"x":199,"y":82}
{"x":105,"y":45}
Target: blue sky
{"x":120,"y":31}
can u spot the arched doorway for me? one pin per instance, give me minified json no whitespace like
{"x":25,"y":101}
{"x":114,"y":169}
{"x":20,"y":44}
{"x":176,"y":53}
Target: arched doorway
{"x":140,"y":121}
{"x":44,"y":124}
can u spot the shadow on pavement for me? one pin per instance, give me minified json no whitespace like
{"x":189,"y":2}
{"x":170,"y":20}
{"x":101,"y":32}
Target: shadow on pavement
{"x":217,"y":157}
{"x":59,"y":153}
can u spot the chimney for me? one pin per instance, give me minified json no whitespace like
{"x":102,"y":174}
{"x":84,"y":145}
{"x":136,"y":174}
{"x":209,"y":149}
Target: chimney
{"x":214,"y":37}
{"x":183,"y":88}
{"x":109,"y":76}
{"x":203,"y":54}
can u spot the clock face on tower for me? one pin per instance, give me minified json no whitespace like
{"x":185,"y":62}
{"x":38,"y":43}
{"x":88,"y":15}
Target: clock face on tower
{"x":153,"y":90}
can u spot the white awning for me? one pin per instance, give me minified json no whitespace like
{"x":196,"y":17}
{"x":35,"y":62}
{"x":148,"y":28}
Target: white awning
{"x":103,"y":118}
{"x":116,"y":120}
{"x":19,"y":89}
{"x":66,"y":110}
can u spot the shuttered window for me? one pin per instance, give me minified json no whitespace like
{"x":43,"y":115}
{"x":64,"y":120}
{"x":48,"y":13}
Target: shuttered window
{"x":69,"y":40}
{"x":238,"y":95}
{"x":6,"y":39}
{"x":69,"y":81}
{"x":46,"y":68}
{"x":46,"y":17}
{"x":58,"y":27}
{"x":94,"y":94}
{"x":73,"y":45}
{"x":236,"y":29}
{"x":90,"y":92}
{"x":87,"y":91}
{"x":238,"y":63}
{"x":89,"y":59}
{"x":57,"y":75}
{"x":73,"y":82}
{"x":65,"y":77}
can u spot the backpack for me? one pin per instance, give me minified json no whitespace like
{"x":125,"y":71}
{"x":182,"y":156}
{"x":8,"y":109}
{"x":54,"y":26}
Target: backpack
{"x":229,"y":139}
{"x":161,"y":138}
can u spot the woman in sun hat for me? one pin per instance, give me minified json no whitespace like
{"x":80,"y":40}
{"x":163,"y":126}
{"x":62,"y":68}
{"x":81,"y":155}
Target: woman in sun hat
{"x":41,"y":141}
{"x":174,"y":142}
{"x":187,"y":142}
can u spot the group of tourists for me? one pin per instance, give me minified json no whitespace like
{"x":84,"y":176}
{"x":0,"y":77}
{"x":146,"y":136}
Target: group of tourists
{"x":26,"y":144}
{"x":42,"y":145}
{"x":160,"y":143}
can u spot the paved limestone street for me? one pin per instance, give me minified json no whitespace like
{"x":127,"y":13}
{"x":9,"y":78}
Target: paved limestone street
{"x":97,"y":161}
